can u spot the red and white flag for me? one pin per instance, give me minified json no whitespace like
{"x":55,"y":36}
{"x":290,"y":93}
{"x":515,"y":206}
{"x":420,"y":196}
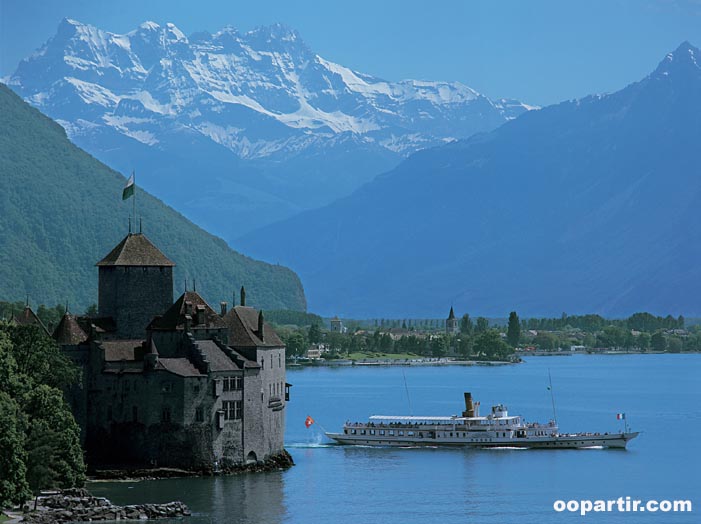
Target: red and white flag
{"x":309,"y":421}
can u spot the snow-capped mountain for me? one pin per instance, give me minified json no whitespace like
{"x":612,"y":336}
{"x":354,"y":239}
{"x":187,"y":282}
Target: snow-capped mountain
{"x":269,"y":125}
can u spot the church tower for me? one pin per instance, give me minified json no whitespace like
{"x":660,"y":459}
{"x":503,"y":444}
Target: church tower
{"x":135,"y":283}
{"x":451,"y":323}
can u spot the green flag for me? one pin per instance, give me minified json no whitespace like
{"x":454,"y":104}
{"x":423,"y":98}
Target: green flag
{"x":129,"y":188}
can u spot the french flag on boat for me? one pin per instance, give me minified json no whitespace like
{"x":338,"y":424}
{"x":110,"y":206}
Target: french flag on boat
{"x":620,"y":416}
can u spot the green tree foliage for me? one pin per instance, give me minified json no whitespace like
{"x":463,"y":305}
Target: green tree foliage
{"x":513,"y":332}
{"x":674,"y":345}
{"x":489,"y":344}
{"x":658,"y":342}
{"x":39,"y":438}
{"x":62,"y":212}
{"x":314,"y":335}
{"x":466,"y":326}
{"x":482,"y":325}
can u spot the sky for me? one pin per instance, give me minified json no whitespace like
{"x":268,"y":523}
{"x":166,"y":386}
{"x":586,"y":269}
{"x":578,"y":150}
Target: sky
{"x":538,"y":51}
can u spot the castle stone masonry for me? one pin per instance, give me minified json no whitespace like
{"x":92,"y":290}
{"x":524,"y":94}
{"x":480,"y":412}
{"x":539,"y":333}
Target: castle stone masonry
{"x":172,"y":383}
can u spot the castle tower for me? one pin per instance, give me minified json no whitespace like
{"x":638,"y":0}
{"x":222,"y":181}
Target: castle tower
{"x":135,"y":283}
{"x":451,"y":323}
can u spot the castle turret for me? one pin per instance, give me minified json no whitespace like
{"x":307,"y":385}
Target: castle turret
{"x":135,"y":284}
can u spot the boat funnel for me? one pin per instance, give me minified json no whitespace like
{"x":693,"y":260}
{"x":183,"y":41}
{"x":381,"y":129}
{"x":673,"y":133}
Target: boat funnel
{"x":469,"y":406}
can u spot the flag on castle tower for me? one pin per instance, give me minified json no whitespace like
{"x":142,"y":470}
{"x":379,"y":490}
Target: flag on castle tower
{"x":620,"y":416}
{"x":129,"y":188}
{"x":309,"y":421}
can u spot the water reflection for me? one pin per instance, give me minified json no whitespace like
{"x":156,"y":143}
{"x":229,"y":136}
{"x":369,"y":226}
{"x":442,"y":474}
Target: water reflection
{"x":241,"y":499}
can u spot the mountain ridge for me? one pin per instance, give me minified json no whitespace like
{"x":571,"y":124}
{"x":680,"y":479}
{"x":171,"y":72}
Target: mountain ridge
{"x":62,"y":212}
{"x":584,"y":206}
{"x":264,"y":97}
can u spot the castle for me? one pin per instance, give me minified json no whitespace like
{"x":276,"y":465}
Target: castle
{"x":172,"y":384}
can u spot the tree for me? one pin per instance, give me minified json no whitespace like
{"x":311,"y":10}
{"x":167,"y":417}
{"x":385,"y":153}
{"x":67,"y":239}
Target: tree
{"x":674,"y":345}
{"x":466,"y":326}
{"x":513,"y":332}
{"x":14,"y":488}
{"x":658,"y":342}
{"x":490,"y":345}
{"x":39,"y":438}
{"x":482,"y":325}
{"x":314,"y":334}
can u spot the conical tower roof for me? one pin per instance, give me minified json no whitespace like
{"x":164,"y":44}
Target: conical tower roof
{"x":68,"y":332}
{"x":451,"y":315}
{"x":136,"y":250}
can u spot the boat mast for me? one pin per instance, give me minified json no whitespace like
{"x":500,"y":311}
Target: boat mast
{"x":406,"y":387}
{"x":552,"y":397}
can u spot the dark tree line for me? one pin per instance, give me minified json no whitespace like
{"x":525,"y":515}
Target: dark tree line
{"x":39,"y":438}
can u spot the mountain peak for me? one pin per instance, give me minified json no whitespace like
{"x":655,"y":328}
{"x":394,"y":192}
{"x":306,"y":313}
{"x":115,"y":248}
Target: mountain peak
{"x":277,"y":31}
{"x":684,"y":58}
{"x":149,"y":25}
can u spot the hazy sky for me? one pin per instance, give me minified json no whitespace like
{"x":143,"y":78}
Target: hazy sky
{"x":539,"y":51}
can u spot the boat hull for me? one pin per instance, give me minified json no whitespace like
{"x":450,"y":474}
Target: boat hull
{"x":615,"y":440}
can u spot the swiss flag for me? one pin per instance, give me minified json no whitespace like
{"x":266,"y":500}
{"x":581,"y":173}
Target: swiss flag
{"x":309,"y":421}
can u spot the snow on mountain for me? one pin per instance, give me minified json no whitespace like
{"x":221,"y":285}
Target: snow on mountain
{"x":263,"y":96}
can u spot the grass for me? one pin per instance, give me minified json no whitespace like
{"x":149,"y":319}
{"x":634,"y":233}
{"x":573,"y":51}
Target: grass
{"x":4,"y":518}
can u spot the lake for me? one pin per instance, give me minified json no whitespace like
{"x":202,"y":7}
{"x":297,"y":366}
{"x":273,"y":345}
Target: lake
{"x":660,"y":395}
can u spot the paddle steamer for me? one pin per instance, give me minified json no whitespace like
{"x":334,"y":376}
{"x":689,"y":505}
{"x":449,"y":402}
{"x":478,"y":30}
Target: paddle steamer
{"x":498,"y":429}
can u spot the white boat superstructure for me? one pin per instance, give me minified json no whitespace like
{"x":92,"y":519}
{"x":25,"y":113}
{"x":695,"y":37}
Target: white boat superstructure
{"x":498,"y":429}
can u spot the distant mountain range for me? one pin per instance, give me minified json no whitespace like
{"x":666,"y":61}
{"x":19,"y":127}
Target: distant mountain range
{"x":61,"y":211}
{"x":591,"y":205}
{"x":238,"y":130}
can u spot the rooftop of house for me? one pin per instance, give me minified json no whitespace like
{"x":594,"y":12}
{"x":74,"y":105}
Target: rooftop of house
{"x":189,"y":303}
{"x":244,"y":329}
{"x":27,"y":317}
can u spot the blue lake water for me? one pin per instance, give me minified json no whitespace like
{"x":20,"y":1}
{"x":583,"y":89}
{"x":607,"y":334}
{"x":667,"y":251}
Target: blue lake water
{"x":660,"y":395}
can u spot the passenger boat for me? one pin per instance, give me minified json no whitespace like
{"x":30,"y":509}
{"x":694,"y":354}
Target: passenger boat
{"x":498,"y":429}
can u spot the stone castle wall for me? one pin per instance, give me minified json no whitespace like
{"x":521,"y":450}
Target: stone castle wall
{"x":133,"y":296}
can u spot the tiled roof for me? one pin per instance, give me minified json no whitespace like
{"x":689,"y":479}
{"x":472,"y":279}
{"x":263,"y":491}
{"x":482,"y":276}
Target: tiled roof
{"x":117,"y":350}
{"x":174,"y":318}
{"x":28,"y":318}
{"x":178,"y":366}
{"x":101,"y":324}
{"x":218,"y":360}
{"x":68,"y":332}
{"x":243,"y":327}
{"x":135,"y":250}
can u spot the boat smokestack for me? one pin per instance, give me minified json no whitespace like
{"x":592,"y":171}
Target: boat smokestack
{"x":469,"y":406}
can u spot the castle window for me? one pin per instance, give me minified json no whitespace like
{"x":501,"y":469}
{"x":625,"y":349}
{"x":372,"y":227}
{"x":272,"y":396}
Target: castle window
{"x":166,"y":387}
{"x":232,"y":409}
{"x":279,"y":360}
{"x":165,"y":414}
{"x":199,"y":415}
{"x":237,"y":383}
{"x":196,"y":388}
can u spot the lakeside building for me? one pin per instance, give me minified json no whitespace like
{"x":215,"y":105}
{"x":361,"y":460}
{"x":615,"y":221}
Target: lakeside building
{"x":172,"y":383}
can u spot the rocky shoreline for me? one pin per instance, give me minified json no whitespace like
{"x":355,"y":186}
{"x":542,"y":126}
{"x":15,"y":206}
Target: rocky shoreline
{"x":78,"y":505}
{"x":277,"y":462}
